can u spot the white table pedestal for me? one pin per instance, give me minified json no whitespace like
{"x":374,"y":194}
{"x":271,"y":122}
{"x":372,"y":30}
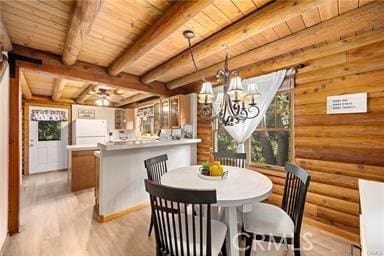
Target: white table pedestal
{"x":230,"y":218}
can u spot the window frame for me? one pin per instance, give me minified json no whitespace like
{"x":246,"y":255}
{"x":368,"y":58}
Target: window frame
{"x":291,"y":132}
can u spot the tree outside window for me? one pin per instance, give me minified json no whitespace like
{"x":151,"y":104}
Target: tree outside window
{"x":271,"y":142}
{"x":49,"y":130}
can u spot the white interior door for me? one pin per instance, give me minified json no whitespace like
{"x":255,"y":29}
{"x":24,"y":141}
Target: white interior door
{"x":47,"y":144}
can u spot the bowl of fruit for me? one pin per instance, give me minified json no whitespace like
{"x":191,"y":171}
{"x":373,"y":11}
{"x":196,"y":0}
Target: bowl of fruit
{"x":212,"y":171}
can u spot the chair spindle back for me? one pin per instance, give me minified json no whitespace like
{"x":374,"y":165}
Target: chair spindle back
{"x":179,"y":233}
{"x":295,"y":192}
{"x":231,"y":159}
{"x":156,"y":167}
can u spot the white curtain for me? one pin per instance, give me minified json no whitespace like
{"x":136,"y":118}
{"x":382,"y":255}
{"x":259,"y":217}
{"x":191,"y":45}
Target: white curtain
{"x":268,"y":86}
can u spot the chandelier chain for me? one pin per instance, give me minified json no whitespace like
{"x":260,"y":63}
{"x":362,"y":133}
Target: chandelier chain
{"x":194,"y":61}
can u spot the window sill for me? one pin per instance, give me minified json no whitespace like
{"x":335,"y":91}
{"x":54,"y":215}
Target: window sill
{"x":266,"y":166}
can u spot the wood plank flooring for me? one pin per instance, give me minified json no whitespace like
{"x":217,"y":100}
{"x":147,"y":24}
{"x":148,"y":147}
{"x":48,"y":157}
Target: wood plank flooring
{"x":56,"y":222}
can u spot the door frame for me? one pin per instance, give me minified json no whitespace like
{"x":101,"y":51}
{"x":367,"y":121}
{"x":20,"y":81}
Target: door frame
{"x":27,"y":105}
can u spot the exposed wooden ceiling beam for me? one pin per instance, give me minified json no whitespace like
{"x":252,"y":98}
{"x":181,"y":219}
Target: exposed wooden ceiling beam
{"x":46,"y":99}
{"x":133,"y":99}
{"x":5,"y":41}
{"x":25,"y":89}
{"x":83,"y":17}
{"x":344,"y":24}
{"x":84,"y":95}
{"x":138,"y":104}
{"x":302,"y":57}
{"x":88,"y":72}
{"x":172,"y":20}
{"x":268,"y":17}
{"x":58,"y":89}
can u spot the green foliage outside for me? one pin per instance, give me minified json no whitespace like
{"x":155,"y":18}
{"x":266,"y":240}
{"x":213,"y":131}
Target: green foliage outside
{"x":270,"y":143}
{"x":225,"y":142}
{"x":49,"y":130}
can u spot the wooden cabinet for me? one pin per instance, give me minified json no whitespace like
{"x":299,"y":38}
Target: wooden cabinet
{"x":120,"y":119}
{"x":83,"y":170}
{"x":168,"y":113}
{"x":180,"y":111}
{"x":130,"y":119}
{"x":97,"y":178}
{"x":156,"y":116}
{"x":164,"y":116}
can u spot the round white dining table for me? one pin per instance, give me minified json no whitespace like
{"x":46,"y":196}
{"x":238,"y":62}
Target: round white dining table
{"x":242,"y":187}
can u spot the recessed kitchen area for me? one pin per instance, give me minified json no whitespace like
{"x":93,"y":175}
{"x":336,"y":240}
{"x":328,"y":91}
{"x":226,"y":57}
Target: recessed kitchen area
{"x":71,"y":122}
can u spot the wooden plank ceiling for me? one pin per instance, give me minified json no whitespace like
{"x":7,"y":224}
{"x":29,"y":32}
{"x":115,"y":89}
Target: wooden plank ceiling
{"x":111,"y":28}
{"x":66,"y":90}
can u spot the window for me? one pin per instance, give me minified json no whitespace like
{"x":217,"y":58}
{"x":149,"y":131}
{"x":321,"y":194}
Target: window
{"x":271,"y":143}
{"x":49,"y":130}
{"x":225,"y":143}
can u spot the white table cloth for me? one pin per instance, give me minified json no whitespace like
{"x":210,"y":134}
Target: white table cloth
{"x":241,"y":187}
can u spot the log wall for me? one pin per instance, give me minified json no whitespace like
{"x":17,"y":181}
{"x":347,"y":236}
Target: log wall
{"x":335,"y":149}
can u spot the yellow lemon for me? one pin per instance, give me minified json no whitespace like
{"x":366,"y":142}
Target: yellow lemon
{"x":216,"y":169}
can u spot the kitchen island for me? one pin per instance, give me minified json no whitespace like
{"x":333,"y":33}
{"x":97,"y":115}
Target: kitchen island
{"x":121,"y":172}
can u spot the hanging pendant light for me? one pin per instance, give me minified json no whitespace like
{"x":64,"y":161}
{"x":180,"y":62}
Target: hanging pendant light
{"x":234,"y":105}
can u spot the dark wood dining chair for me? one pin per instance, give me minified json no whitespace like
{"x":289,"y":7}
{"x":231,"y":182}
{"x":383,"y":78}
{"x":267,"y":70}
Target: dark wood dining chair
{"x":156,"y":167}
{"x":231,"y":159}
{"x":178,"y":233}
{"x":270,"y":223}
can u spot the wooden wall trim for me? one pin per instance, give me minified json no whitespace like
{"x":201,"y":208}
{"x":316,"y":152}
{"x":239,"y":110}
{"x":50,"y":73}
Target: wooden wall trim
{"x":14,"y":155}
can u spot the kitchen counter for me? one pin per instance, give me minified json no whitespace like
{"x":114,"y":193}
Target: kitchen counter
{"x":83,"y":147}
{"x":121,"y":172}
{"x":145,"y":144}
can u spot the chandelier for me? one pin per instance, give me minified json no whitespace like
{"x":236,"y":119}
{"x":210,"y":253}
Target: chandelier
{"x":235,"y":104}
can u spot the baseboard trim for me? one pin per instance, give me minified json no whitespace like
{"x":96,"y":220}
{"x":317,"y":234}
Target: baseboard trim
{"x":4,"y":246}
{"x":105,"y":218}
{"x":334,"y":231}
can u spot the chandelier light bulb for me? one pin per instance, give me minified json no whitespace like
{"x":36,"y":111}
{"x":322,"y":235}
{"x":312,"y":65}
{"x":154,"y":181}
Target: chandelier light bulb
{"x":206,"y":94}
{"x":236,"y":90}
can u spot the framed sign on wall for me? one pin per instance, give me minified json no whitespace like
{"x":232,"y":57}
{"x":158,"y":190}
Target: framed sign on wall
{"x":86,"y":114}
{"x":347,"y":103}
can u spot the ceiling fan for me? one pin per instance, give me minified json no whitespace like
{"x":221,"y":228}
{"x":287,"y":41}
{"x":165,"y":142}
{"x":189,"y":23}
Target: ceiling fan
{"x":102,"y":95}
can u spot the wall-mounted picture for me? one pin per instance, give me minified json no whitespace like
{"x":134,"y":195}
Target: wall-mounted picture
{"x":86,"y":114}
{"x":188,"y":131}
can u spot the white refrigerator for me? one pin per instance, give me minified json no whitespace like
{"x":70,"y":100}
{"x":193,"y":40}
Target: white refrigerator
{"x":89,"y":131}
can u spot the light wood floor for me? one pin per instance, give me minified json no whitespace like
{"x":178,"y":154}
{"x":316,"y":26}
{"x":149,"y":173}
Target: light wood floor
{"x":56,"y":222}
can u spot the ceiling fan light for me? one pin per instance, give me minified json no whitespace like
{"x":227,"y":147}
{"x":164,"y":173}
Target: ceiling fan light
{"x":103,"y":102}
{"x":119,"y":92}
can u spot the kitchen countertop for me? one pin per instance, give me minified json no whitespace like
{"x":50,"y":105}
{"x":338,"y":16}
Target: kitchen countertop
{"x":82,"y":147}
{"x":145,"y":144}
